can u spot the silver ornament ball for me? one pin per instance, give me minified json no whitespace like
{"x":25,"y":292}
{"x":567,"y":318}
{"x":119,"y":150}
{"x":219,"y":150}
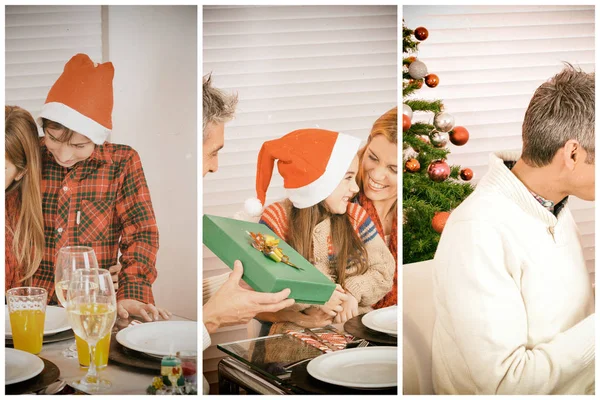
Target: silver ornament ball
{"x":417,"y":69}
{"x":439,"y":139}
{"x":443,"y":122}
{"x":406,"y":110}
{"x":409,"y":153}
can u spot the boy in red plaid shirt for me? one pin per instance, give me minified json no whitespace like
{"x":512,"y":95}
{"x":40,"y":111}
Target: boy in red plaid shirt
{"x":94,"y":192}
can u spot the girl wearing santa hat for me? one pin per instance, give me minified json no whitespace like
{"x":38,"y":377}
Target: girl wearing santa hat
{"x":318,"y":220}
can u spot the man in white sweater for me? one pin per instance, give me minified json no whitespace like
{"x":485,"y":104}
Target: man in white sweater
{"x":513,"y":297}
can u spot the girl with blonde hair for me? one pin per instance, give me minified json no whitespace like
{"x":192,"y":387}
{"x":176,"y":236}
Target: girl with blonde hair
{"x":24,"y":227}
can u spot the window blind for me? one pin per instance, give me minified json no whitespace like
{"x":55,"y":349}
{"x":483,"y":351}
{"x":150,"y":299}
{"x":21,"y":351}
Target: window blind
{"x":39,"y":39}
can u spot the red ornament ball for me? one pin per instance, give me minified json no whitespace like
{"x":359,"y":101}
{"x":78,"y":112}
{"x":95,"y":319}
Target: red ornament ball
{"x":406,"y":123}
{"x":412,"y":165}
{"x":466,"y":174}
{"x":411,"y":59}
{"x":438,"y":171}
{"x":421,"y":33}
{"x":459,"y":135}
{"x":432,"y":80}
{"x":439,"y":221}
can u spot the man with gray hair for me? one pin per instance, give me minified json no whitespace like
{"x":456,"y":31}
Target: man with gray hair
{"x":513,"y":297}
{"x":227,"y":299}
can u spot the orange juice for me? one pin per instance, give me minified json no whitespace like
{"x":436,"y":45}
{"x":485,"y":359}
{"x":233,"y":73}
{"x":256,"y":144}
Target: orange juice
{"x":102,"y":348}
{"x":28,"y":330}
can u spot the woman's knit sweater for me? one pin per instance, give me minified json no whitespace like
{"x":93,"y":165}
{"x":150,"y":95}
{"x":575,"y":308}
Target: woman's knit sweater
{"x":367,"y":288}
{"x":391,"y":297}
{"x":513,"y":297}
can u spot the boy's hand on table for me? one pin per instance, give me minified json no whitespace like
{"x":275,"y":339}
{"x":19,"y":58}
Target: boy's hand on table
{"x":149,"y":312}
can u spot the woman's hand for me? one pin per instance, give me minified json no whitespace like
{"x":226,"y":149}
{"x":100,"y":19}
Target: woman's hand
{"x":334,"y":304}
{"x":350,"y":310}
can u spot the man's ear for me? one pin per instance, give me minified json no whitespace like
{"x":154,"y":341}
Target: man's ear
{"x":571,"y":153}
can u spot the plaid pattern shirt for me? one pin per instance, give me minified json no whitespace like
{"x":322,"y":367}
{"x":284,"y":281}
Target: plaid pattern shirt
{"x":102,"y":202}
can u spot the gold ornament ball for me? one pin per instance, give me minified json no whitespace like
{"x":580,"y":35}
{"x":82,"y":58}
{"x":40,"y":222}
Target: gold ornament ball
{"x":459,"y":135}
{"x":406,"y":123}
{"x":466,"y":174}
{"x":412,"y":165}
{"x":438,"y":222}
{"x":432,"y":80}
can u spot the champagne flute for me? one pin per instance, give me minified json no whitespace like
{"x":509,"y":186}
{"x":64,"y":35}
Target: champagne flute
{"x":92,"y":311}
{"x":70,"y":259}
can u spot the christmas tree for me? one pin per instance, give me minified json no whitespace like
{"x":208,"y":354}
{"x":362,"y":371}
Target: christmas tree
{"x":431,"y":188}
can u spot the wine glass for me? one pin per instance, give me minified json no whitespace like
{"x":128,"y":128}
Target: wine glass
{"x":69,"y":259}
{"x":92,"y":311}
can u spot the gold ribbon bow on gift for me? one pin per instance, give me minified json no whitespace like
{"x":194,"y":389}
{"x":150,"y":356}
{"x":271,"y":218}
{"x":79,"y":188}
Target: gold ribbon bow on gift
{"x":268,"y":245}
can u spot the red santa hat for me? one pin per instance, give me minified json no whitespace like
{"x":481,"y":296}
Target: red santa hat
{"x":82,"y":98}
{"x":312,"y":163}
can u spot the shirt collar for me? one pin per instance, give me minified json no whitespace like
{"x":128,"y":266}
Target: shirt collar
{"x":547,"y":204}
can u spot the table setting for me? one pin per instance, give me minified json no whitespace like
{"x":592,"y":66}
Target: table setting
{"x":83,"y":348}
{"x":317,"y":361}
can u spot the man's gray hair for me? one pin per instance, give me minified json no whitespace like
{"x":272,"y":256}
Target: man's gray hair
{"x":561,"y":109}
{"x":217,"y":106}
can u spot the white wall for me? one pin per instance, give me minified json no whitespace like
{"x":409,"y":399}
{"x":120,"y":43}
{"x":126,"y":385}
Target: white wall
{"x":154,"y":51}
{"x":490,"y":60}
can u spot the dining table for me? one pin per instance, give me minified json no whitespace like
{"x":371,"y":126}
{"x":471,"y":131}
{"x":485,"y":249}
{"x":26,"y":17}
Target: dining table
{"x":125,"y":379}
{"x":278,"y":364}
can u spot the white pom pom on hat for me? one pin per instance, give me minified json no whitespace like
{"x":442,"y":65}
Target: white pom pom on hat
{"x":253,"y":207}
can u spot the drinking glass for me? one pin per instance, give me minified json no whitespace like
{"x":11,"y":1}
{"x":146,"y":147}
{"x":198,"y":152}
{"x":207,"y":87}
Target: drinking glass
{"x":27,"y":312}
{"x":70,"y":259}
{"x":92,"y":311}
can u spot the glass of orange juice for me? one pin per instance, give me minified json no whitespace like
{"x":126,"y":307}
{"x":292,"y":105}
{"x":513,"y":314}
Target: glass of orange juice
{"x":27,"y":312}
{"x":102,"y":349}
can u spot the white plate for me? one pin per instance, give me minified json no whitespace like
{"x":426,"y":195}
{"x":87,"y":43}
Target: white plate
{"x":20,"y":366}
{"x":366,"y":367}
{"x":161,"y":338}
{"x":383,"y":320}
{"x":55,"y":322}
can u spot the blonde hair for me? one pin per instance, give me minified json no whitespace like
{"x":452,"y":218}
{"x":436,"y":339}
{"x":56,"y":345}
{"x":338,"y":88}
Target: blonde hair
{"x":217,"y":106}
{"x":386,"y":125}
{"x":23,"y":150}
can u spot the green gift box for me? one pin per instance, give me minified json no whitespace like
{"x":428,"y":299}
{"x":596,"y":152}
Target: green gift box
{"x":229,"y":240}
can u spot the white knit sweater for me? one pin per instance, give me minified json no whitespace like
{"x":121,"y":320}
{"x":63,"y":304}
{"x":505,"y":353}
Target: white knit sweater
{"x":513,"y":297}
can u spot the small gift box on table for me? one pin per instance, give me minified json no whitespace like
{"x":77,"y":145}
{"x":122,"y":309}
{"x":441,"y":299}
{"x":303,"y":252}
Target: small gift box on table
{"x":232,"y":240}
